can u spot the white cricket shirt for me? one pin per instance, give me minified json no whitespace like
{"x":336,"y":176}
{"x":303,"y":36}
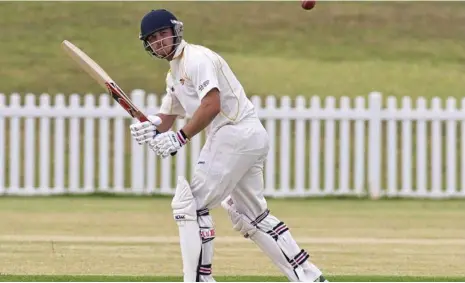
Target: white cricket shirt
{"x":194,"y":71}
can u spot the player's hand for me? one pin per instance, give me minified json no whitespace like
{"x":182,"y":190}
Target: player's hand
{"x":169,"y":142}
{"x":144,"y":132}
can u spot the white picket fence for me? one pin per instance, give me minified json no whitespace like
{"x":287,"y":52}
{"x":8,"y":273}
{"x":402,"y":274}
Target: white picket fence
{"x":319,"y":147}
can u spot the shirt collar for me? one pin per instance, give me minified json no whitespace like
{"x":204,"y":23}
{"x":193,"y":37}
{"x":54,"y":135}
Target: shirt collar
{"x":180,"y":49}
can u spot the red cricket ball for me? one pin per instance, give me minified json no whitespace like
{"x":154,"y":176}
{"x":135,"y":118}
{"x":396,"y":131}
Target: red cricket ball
{"x":308,"y":4}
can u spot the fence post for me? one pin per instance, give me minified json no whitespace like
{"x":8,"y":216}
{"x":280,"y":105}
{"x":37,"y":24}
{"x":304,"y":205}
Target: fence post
{"x":137,"y":151}
{"x":300,"y":148}
{"x":74,"y":146}
{"x":15,"y":131}
{"x":315,"y":141}
{"x":45,"y":149}
{"x":461,"y":191}
{"x":329,"y":147}
{"x":284,"y":148}
{"x":30,"y":141}
{"x":451,"y":146}
{"x":59,"y":145}
{"x":421,"y":145}
{"x":104,"y":142}
{"x":374,"y":145}
{"x":270,"y":167}
{"x":2,"y":147}
{"x":344,"y":147}
{"x":89,"y":153}
{"x":436,"y":150}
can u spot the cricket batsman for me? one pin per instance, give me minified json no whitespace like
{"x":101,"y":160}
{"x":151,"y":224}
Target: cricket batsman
{"x":229,"y":171}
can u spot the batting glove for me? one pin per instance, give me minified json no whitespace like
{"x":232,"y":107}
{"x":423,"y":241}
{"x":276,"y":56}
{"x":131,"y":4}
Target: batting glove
{"x":144,"y":132}
{"x":169,"y":142}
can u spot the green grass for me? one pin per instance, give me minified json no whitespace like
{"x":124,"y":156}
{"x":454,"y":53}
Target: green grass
{"x":116,"y":278}
{"x":53,"y":238}
{"x":339,"y":48}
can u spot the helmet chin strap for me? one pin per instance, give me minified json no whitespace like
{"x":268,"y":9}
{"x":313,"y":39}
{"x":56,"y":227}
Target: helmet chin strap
{"x":154,"y":53}
{"x":174,"y":47}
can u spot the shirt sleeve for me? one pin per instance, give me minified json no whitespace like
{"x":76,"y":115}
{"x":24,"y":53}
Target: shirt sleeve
{"x":170,"y":104}
{"x":204,"y":74}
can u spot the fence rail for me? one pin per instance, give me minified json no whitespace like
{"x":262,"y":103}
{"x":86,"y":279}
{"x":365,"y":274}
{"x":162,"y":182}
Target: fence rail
{"x":362,"y":146}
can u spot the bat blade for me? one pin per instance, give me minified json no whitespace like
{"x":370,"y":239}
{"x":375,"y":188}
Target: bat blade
{"x":93,"y":69}
{"x":86,"y":63}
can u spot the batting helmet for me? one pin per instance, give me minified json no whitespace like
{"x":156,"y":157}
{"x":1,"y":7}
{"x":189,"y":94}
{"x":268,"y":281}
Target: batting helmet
{"x":157,"y":20}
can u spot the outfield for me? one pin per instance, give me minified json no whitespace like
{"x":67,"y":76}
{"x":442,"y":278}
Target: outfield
{"x":408,"y":48}
{"x":350,"y":239}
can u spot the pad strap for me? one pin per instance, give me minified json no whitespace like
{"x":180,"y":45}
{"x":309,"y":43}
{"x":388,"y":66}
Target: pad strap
{"x":203,"y":212}
{"x":299,"y":259}
{"x":205,"y":269}
{"x":260,"y":217}
{"x":277,"y":230}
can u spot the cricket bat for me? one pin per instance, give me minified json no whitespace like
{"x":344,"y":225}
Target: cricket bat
{"x":98,"y":74}
{"x":101,"y":77}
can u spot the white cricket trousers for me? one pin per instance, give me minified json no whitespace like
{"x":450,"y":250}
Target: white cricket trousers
{"x":231,"y":163}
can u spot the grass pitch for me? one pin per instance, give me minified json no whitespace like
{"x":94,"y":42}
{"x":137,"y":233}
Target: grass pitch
{"x":116,"y":278}
{"x":338,"y":48}
{"x":135,"y":239}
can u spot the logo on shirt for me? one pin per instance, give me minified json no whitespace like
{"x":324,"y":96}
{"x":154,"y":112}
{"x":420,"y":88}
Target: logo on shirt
{"x":204,"y":85}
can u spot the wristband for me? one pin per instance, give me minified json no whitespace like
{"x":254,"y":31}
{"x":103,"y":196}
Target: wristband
{"x":182,"y":137}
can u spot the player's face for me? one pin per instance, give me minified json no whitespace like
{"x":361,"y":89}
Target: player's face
{"x":162,"y":42}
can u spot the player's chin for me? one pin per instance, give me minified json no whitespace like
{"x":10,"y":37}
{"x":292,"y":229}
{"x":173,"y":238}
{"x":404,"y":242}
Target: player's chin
{"x":163,"y":52}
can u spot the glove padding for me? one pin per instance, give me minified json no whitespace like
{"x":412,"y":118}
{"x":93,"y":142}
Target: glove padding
{"x":166,"y":143}
{"x":144,"y":132}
